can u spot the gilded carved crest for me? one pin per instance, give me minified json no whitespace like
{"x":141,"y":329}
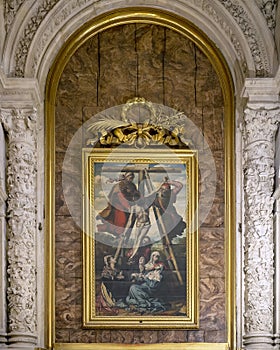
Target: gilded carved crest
{"x":140,"y":124}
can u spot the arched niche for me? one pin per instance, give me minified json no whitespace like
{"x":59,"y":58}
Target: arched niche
{"x":110,"y":23}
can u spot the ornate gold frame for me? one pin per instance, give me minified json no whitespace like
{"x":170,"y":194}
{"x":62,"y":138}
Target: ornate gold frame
{"x":146,"y":157}
{"x":185,"y":28}
{"x":169,"y":346}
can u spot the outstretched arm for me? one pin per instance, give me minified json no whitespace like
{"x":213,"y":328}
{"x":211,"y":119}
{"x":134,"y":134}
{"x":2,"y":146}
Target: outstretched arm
{"x":177,"y":186}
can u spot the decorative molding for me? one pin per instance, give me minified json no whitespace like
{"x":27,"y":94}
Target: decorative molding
{"x":262,"y":91}
{"x":259,"y":130}
{"x":32,"y":26}
{"x":241,"y":17}
{"x":268,"y":9}
{"x":234,"y":7}
{"x":29,"y":32}
{"x":15,"y":91}
{"x":3,"y":198}
{"x":212,"y":11}
{"x":20,"y":126}
{"x":3,"y":244}
{"x":53,"y":26}
{"x":10,"y":10}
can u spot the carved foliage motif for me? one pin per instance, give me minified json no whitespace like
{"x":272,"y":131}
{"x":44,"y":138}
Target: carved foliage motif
{"x":211,"y":11}
{"x":234,"y":8}
{"x":20,"y":127}
{"x":10,"y":11}
{"x":29,"y":33}
{"x":141,"y":135}
{"x":33,"y":25}
{"x":241,"y":17}
{"x":57,"y":19}
{"x":259,"y":132}
{"x":268,"y":8}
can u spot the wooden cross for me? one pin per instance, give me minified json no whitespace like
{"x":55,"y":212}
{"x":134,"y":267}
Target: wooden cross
{"x":143,"y":178}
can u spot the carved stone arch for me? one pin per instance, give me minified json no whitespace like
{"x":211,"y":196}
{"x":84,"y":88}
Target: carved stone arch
{"x":210,"y":16}
{"x":229,"y":24}
{"x":16,"y":18}
{"x":258,"y":35}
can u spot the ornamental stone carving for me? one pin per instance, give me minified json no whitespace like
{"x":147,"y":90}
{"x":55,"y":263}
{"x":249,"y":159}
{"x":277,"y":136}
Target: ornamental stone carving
{"x":29,"y":33}
{"x":259,"y":133}
{"x":30,"y":30}
{"x":268,"y":8}
{"x":10,"y":11}
{"x":57,"y":19}
{"x":20,"y":127}
{"x":3,"y":198}
{"x":212,"y":12}
{"x":234,"y":7}
{"x":256,"y":45}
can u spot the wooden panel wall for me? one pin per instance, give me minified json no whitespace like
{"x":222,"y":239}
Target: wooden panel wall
{"x":163,"y":67}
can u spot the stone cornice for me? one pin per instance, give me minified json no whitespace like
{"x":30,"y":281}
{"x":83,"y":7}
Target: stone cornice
{"x":21,"y":90}
{"x":262,"y":90}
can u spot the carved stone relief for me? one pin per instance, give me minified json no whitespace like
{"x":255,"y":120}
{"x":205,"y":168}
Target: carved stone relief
{"x":29,"y":32}
{"x":259,"y":133}
{"x":212,"y":12}
{"x":239,"y":14}
{"x":20,"y":127}
{"x":234,"y":7}
{"x":3,"y":198}
{"x":268,"y":8}
{"x":57,"y":19}
{"x":10,"y":11}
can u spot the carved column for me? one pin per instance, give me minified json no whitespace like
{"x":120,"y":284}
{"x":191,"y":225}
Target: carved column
{"x":277,"y":266}
{"x":3,"y":277}
{"x":259,"y":148}
{"x":20,"y":128}
{"x":277,"y":242}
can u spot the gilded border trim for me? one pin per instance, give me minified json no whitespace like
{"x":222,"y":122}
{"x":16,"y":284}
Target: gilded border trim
{"x":188,"y":158}
{"x":166,"y":346}
{"x":187,"y":29}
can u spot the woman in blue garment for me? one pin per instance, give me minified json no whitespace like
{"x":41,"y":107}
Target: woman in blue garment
{"x":142,"y":294}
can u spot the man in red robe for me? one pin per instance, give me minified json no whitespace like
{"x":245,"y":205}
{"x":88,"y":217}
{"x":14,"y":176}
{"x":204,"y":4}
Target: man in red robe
{"x":122,"y":196}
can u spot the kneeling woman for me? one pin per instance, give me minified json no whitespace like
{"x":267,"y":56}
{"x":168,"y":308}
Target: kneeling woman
{"x":142,"y":294}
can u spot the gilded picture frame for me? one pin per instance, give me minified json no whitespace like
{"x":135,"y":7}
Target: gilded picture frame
{"x":140,"y":238}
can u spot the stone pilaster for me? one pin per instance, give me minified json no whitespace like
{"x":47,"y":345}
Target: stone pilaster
{"x":277,"y":267}
{"x":3,"y":276}
{"x":20,"y":128}
{"x":260,"y":126}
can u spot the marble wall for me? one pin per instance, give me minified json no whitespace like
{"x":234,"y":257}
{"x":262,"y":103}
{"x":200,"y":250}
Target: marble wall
{"x":163,"y":67}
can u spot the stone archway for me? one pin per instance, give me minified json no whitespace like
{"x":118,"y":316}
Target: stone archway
{"x":244,"y":41}
{"x":118,"y":22}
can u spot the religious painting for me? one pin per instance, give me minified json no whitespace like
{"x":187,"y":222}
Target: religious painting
{"x":140,"y":238}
